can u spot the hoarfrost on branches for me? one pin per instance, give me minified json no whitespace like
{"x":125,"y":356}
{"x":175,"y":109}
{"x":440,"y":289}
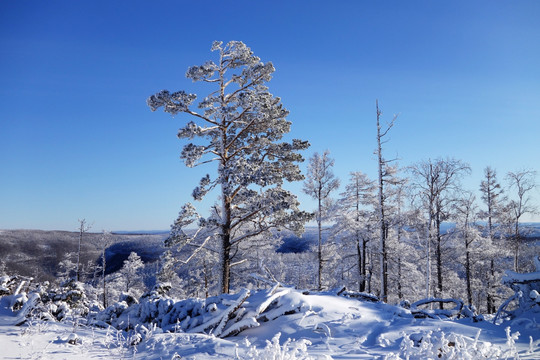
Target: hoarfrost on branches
{"x":241,"y":125}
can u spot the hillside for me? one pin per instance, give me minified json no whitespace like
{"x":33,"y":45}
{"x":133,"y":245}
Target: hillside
{"x":37,"y":253}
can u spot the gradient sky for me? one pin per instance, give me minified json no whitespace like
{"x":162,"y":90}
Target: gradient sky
{"x":77,"y":139}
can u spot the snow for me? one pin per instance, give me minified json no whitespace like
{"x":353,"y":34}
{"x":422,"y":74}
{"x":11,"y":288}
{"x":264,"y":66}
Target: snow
{"x":324,"y":326}
{"x":514,"y":277}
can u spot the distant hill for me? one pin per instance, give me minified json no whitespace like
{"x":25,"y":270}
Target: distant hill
{"x":37,"y":253}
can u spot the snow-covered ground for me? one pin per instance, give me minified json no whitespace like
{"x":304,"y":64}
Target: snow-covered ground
{"x":326,"y":326}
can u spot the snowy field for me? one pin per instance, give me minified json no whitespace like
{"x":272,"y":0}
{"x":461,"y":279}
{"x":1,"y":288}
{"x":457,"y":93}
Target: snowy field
{"x":321,"y":326}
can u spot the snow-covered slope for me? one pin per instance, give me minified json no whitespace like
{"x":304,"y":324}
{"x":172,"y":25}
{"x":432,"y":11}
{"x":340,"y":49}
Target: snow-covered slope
{"x":323,"y":326}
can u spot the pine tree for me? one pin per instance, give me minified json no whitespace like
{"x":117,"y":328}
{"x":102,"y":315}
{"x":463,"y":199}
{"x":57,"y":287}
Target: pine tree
{"x":240,"y":126}
{"x":67,"y":268}
{"x":130,"y":271}
{"x":491,"y":195}
{"x":166,"y":272}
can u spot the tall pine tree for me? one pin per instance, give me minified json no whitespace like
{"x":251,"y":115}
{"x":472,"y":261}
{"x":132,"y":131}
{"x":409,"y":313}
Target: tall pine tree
{"x":240,"y":125}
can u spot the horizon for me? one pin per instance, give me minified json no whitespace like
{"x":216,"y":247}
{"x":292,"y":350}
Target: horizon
{"x":78,"y":140}
{"x":165,"y":231}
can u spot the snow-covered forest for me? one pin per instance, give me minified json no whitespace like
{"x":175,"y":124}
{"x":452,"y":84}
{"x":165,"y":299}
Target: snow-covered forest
{"x":407,"y":264}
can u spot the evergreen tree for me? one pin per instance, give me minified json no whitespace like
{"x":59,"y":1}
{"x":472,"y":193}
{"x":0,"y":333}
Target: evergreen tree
{"x":240,"y":126}
{"x":67,"y":268}
{"x":491,"y":196}
{"x":131,"y":270}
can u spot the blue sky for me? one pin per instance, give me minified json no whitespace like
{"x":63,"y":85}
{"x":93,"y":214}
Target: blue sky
{"x":78,"y":141}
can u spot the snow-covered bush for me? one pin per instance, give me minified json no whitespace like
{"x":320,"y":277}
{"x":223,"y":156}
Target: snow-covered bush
{"x":439,"y":345}
{"x":222,"y":316}
{"x":290,"y":350}
{"x":526,"y":288}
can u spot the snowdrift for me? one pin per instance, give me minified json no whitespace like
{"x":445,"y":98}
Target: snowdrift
{"x":273,"y":323}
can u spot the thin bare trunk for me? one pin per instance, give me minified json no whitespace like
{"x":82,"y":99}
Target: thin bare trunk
{"x":364,"y":265}
{"x":382,"y":225}
{"x":319,"y":252}
{"x":439,"y":257}
{"x":468,"y":272}
{"x":428,"y":256}
{"x":103,"y":278}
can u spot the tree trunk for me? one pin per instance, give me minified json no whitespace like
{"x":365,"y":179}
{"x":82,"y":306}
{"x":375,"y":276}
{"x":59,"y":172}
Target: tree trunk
{"x":226,"y":245}
{"x":77,"y":276}
{"x":319,"y":252}
{"x":104,"y":282}
{"x":205,"y":279}
{"x":468,"y":270}
{"x":439,"y":258}
{"x":364,"y":265}
{"x":400,"y":292}
{"x":361,"y":286}
{"x":468,"y":275}
{"x":359,"y":258}
{"x":382,"y":225}
{"x":490,"y":298}
{"x":369,"y":273}
{"x":516,"y":247}
{"x":428,"y":255}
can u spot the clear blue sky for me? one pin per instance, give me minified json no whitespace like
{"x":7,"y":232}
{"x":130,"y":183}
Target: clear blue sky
{"x":78,"y":141}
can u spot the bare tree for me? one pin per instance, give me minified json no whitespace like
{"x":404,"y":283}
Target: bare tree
{"x":434,"y":180}
{"x":105,"y":240}
{"x":83,"y":228}
{"x":383,"y":172}
{"x":356,"y":213}
{"x":522,"y":182}
{"x":466,"y":210}
{"x":399,"y":222}
{"x":320,"y":182}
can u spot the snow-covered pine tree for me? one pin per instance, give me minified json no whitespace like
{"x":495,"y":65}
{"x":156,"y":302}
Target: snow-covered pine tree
{"x":167,"y":273}
{"x":319,"y":184}
{"x":130,"y":271}
{"x":491,"y":193}
{"x":67,"y":268}
{"x":240,"y":125}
